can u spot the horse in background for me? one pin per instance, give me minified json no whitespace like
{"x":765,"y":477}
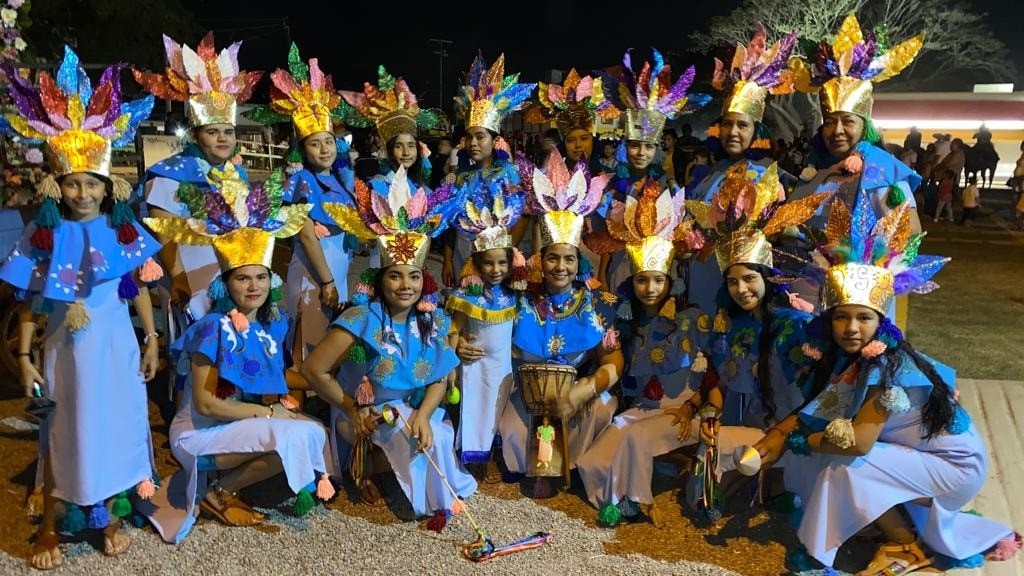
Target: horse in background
{"x":981,"y":158}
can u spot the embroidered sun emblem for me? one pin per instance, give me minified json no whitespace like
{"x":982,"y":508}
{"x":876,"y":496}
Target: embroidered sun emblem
{"x":704,"y":323}
{"x":67,"y":278}
{"x":402,"y":247}
{"x":421,"y":369}
{"x":97,"y":260}
{"x":384,"y":369}
{"x":686,"y":345}
{"x":657,"y":355}
{"x":555,"y":344}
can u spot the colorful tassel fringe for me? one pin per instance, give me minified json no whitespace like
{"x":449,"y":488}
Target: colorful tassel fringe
{"x":303,"y":502}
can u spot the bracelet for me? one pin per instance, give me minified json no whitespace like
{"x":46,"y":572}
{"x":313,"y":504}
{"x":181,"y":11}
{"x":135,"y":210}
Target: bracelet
{"x":796,"y":441}
{"x":150,"y":336}
{"x":331,"y":281}
{"x":593,"y":388}
{"x":20,"y":354}
{"x":692,"y":404}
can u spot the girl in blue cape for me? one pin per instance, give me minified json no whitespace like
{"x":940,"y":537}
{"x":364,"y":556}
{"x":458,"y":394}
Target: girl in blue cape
{"x":77,"y":266}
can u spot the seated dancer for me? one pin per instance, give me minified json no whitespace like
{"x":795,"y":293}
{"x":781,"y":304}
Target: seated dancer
{"x":236,"y":422}
{"x":77,"y":266}
{"x":560,"y":320}
{"x":388,"y":356}
{"x":883,"y":438}
{"x":660,"y":340}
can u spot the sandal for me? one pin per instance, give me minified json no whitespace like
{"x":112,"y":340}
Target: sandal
{"x":232,"y":511}
{"x":46,"y":554}
{"x":115,"y":542}
{"x":370,"y":494}
{"x":897,"y":560}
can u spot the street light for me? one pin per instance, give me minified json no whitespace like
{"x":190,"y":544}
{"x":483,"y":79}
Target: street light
{"x":442,"y":52}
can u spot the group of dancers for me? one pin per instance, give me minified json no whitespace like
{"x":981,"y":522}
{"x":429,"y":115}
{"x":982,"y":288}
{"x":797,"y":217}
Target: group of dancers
{"x":784,"y":343}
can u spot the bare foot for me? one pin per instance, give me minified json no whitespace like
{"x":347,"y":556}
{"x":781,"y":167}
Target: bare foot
{"x":115,"y":541}
{"x":46,"y":554}
{"x":34,"y":503}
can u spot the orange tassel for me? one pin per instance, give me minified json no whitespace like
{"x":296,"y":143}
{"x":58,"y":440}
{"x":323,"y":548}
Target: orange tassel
{"x":288,"y":402}
{"x":364,"y":393}
{"x":146,"y":489}
{"x":324,"y":489}
{"x":150,"y":271}
{"x":458,"y":507}
{"x":238,"y":321}
{"x":320,"y":230}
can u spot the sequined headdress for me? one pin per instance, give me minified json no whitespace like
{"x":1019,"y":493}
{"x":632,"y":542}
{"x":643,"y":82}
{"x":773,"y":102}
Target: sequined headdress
{"x":874,"y":260}
{"x":756,"y":70}
{"x":746,"y":211}
{"x":240,"y":223}
{"x":211,"y":84}
{"x":489,"y":96}
{"x":650,"y":98}
{"x":843,"y":72}
{"x":303,"y":95}
{"x":390,"y":106}
{"x":80,"y":125}
{"x":488,"y":215}
{"x":651,"y":229}
{"x":574,"y":104}
{"x":564,"y":199}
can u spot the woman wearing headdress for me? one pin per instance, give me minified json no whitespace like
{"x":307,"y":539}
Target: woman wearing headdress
{"x":318,"y":273}
{"x":740,"y":135}
{"x":389,"y":353}
{"x":660,"y":341}
{"x":847,"y":150}
{"x":648,"y":100}
{"x":560,"y":320}
{"x":236,"y":422}
{"x":882,"y":438}
{"x":483,"y":311}
{"x":756,"y":337}
{"x":78,"y":265}
{"x":212,"y":86}
{"x":482,"y":104}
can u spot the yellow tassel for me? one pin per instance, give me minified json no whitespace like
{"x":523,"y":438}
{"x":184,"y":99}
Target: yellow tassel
{"x":77,"y":318}
{"x":468,"y":269}
{"x":122,"y":189}
{"x":721,"y":321}
{"x":840,"y":433}
{"x":49,"y":188}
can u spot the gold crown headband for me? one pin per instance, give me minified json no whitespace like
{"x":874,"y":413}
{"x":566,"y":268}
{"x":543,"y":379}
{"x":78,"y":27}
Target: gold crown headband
{"x":303,"y":95}
{"x":756,"y":70}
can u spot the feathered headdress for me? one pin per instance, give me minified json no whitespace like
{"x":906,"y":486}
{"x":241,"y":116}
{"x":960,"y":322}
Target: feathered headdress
{"x":488,"y":215}
{"x":651,"y":228}
{"x":390,"y":106}
{"x":574,"y":104}
{"x":874,"y":260}
{"x":756,"y":70}
{"x":303,"y":95}
{"x":240,"y":223}
{"x":650,"y":98}
{"x":746,"y":211}
{"x":843,"y":72}
{"x":211,"y":84}
{"x":489,"y":96}
{"x":564,"y":199}
{"x":80,"y":126}
{"x":402,"y":222}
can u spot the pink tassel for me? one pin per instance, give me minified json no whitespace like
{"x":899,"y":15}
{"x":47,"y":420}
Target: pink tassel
{"x":610,"y":340}
{"x":288,"y":402}
{"x":364,"y":393}
{"x":518,"y":260}
{"x":146,"y":489}
{"x":853,"y":164}
{"x":320,"y":230}
{"x":458,"y":507}
{"x":364,"y":288}
{"x":239,"y":321}
{"x":424,"y":150}
{"x":324,"y":489}
{"x":798,"y":303}
{"x":471,"y":280}
{"x":150,"y":271}
{"x":873,"y":349}
{"x":1005,"y":549}
{"x":810,"y":351}
{"x":426,"y":306}
{"x":501,"y":144}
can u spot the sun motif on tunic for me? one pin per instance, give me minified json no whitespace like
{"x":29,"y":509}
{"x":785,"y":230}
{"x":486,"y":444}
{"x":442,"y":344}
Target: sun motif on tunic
{"x":97,"y":260}
{"x":67,"y":278}
{"x":597,"y":321}
{"x":555,"y":344}
{"x":686,"y":345}
{"x":402,"y":247}
{"x":684,"y":323}
{"x":609,"y":298}
{"x":421,"y":369}
{"x":657,"y":355}
{"x":731,"y":369}
{"x":133,"y":248}
{"x":384,"y":369}
{"x":704,"y":323}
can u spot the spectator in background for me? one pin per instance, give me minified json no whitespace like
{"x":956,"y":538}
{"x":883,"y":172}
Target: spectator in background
{"x":548,"y":142}
{"x":440,"y":160}
{"x":945,"y":195}
{"x":676,"y":160}
{"x":954,"y":162}
{"x":972,"y":202}
{"x":607,"y":159}
{"x":699,"y":167}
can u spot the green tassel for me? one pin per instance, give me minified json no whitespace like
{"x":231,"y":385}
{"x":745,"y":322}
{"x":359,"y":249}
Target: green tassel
{"x":475,"y":290}
{"x":870,"y":134}
{"x":121,"y":214}
{"x":368,"y":276}
{"x":356,"y":353}
{"x":609,"y":516}
{"x":122,"y":505}
{"x":275,"y":294}
{"x":303,"y":503}
{"x":48,"y":215}
{"x":895,"y":197}
{"x":74,"y":519}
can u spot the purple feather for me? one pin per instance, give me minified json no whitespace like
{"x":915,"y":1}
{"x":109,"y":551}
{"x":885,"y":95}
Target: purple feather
{"x":861,"y":60}
{"x":771,"y":73}
{"x":219,"y":214}
{"x":667,"y":104}
{"x":112,"y":75}
{"x":258,"y":203}
{"x":476,"y":70}
{"x":24,"y":96}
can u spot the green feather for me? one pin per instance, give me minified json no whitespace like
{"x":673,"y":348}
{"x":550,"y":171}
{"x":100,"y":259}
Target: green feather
{"x":192,"y":196}
{"x":298,"y":68}
{"x":265,"y":115}
{"x":403,"y":218}
{"x":913,"y":245}
{"x":274,"y":188}
{"x":385,"y":81}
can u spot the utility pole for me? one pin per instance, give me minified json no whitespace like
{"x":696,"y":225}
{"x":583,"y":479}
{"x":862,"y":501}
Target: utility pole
{"x":442,"y":53}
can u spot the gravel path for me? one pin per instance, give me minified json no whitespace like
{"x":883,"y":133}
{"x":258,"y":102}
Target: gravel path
{"x":329,"y":542}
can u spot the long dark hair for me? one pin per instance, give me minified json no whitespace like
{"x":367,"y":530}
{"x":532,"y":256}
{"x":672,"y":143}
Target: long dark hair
{"x":424,"y":320}
{"x":636,"y":308}
{"x":265,"y":312}
{"x":414,"y":172}
{"x":773,"y":297}
{"x":938,"y":411}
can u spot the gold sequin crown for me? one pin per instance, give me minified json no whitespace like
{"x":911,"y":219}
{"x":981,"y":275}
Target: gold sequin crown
{"x":564,"y":199}
{"x":748,"y":209}
{"x":210,"y":83}
{"x":574,"y":104}
{"x":80,"y":124}
{"x":490,"y":211}
{"x":240,"y":223}
{"x":302,"y":95}
{"x":873,"y":260}
{"x":843,"y":72}
{"x":489,"y":96}
{"x":390,"y":106}
{"x":756,"y":70}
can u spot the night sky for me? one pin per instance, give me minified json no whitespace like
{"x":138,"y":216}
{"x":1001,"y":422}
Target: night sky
{"x":534,"y":35}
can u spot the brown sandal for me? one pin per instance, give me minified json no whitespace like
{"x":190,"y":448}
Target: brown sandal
{"x":370,"y":494}
{"x":110,"y":533}
{"x":897,"y":560}
{"x":46,"y":543}
{"x":232,"y":511}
